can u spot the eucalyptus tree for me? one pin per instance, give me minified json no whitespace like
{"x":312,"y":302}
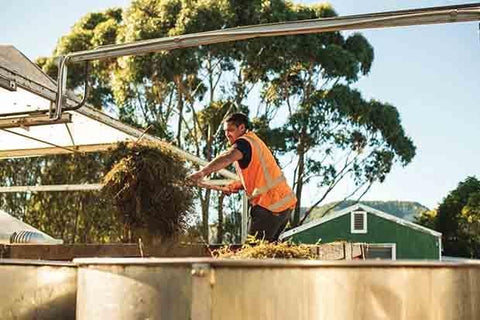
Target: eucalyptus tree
{"x":301,"y":82}
{"x":92,"y":30}
{"x":74,"y":216}
{"x":77,"y":216}
{"x":332,"y":131}
{"x":25,"y":171}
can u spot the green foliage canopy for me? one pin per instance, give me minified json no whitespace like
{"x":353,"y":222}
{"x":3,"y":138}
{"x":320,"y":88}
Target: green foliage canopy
{"x":458,"y":220}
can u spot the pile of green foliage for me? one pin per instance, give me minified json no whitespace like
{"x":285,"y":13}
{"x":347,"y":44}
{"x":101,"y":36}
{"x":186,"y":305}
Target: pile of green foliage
{"x":146,"y":184}
{"x":261,"y":249}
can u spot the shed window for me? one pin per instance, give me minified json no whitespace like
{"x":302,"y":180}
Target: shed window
{"x":382,"y":251}
{"x":358,"y":222}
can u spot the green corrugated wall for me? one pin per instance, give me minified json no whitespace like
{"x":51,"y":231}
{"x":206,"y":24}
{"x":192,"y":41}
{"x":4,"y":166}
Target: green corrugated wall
{"x":411,"y":243}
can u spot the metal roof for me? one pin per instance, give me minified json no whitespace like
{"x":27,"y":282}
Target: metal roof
{"x":80,"y":133}
{"x":16,"y":62}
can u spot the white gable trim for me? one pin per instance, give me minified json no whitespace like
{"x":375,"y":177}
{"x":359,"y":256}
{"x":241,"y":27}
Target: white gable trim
{"x":355,"y":207}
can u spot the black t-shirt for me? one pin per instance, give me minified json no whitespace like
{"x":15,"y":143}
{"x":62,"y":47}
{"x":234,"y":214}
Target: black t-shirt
{"x":245,"y":148}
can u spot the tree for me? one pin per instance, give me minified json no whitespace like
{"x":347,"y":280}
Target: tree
{"x":331,"y":130}
{"x":18,"y":172}
{"x":72,"y":216}
{"x":92,"y":30}
{"x":458,"y":220}
{"x":182,"y":96}
{"x":427,"y":218}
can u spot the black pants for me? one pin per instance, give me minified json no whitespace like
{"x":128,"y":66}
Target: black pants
{"x":267,"y":225}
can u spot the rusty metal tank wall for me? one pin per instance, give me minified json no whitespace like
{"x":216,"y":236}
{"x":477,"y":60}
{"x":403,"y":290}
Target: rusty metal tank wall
{"x":201,"y":289}
{"x":37,"y":290}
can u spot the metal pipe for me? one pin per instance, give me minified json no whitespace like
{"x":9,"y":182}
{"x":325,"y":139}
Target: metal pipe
{"x":85,"y":91}
{"x":61,"y":86}
{"x":448,"y":14}
{"x":53,"y":187}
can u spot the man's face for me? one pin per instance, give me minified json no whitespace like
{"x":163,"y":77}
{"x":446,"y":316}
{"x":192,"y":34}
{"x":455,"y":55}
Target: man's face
{"x":232,"y":131}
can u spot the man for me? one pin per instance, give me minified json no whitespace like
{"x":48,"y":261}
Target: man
{"x":271,"y":197}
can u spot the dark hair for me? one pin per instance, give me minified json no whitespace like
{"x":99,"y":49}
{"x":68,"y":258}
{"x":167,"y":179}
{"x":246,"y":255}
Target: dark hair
{"x":238,"y":119}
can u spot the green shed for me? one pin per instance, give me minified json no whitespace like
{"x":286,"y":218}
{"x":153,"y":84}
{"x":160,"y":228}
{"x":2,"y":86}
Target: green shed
{"x":384,"y":236}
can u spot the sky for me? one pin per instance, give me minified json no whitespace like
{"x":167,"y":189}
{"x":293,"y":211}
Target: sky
{"x":429,"y":73}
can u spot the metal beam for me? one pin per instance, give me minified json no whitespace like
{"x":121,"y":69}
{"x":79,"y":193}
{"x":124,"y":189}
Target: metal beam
{"x":32,"y":120}
{"x":435,"y":15}
{"x":456,"y":13}
{"x":45,"y":188}
{"x":29,"y":85}
{"x":40,"y":152}
{"x":84,"y":187}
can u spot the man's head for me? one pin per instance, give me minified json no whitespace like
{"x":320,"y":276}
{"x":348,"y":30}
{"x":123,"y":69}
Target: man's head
{"x":235,"y":126}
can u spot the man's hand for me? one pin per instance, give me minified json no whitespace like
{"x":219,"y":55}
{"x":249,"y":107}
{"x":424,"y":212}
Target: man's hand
{"x":226,"y":190}
{"x":197,"y":176}
{"x":229,"y":192}
{"x":216,"y":164}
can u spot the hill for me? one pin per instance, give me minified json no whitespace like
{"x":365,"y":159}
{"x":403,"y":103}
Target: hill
{"x":403,"y":209}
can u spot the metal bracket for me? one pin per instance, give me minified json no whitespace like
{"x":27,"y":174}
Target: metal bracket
{"x":61,"y":98}
{"x":60,"y":105}
{"x":8,"y":84}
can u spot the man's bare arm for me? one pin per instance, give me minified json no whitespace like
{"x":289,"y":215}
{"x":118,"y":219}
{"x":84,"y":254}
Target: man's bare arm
{"x":220,"y":162}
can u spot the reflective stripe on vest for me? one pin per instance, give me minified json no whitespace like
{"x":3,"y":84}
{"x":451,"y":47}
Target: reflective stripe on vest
{"x":277,"y":205}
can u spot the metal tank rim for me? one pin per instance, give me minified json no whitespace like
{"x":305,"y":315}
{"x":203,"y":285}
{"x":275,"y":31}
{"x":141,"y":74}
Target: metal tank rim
{"x":272,"y":263}
{"x":28,"y":262}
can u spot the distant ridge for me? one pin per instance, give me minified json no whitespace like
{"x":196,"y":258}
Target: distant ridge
{"x":407,"y":210}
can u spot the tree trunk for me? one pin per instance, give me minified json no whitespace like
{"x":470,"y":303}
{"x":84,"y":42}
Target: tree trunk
{"x":178,"y":81}
{"x":299,"y":183}
{"x":220,"y":218}
{"x":75,"y":225}
{"x":205,"y":202}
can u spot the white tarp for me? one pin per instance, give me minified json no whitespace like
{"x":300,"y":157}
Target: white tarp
{"x":90,"y":129}
{"x":81,"y":131}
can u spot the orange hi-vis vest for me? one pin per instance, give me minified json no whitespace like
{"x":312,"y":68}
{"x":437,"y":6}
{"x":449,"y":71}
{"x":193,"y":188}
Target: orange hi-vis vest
{"x":263,"y":179}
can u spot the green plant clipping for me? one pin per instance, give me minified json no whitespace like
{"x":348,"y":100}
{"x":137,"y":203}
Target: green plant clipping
{"x":147,"y":186}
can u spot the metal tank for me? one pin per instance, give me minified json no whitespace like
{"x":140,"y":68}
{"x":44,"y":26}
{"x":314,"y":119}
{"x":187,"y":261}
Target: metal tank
{"x":37,"y":289}
{"x":212,"y":289}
